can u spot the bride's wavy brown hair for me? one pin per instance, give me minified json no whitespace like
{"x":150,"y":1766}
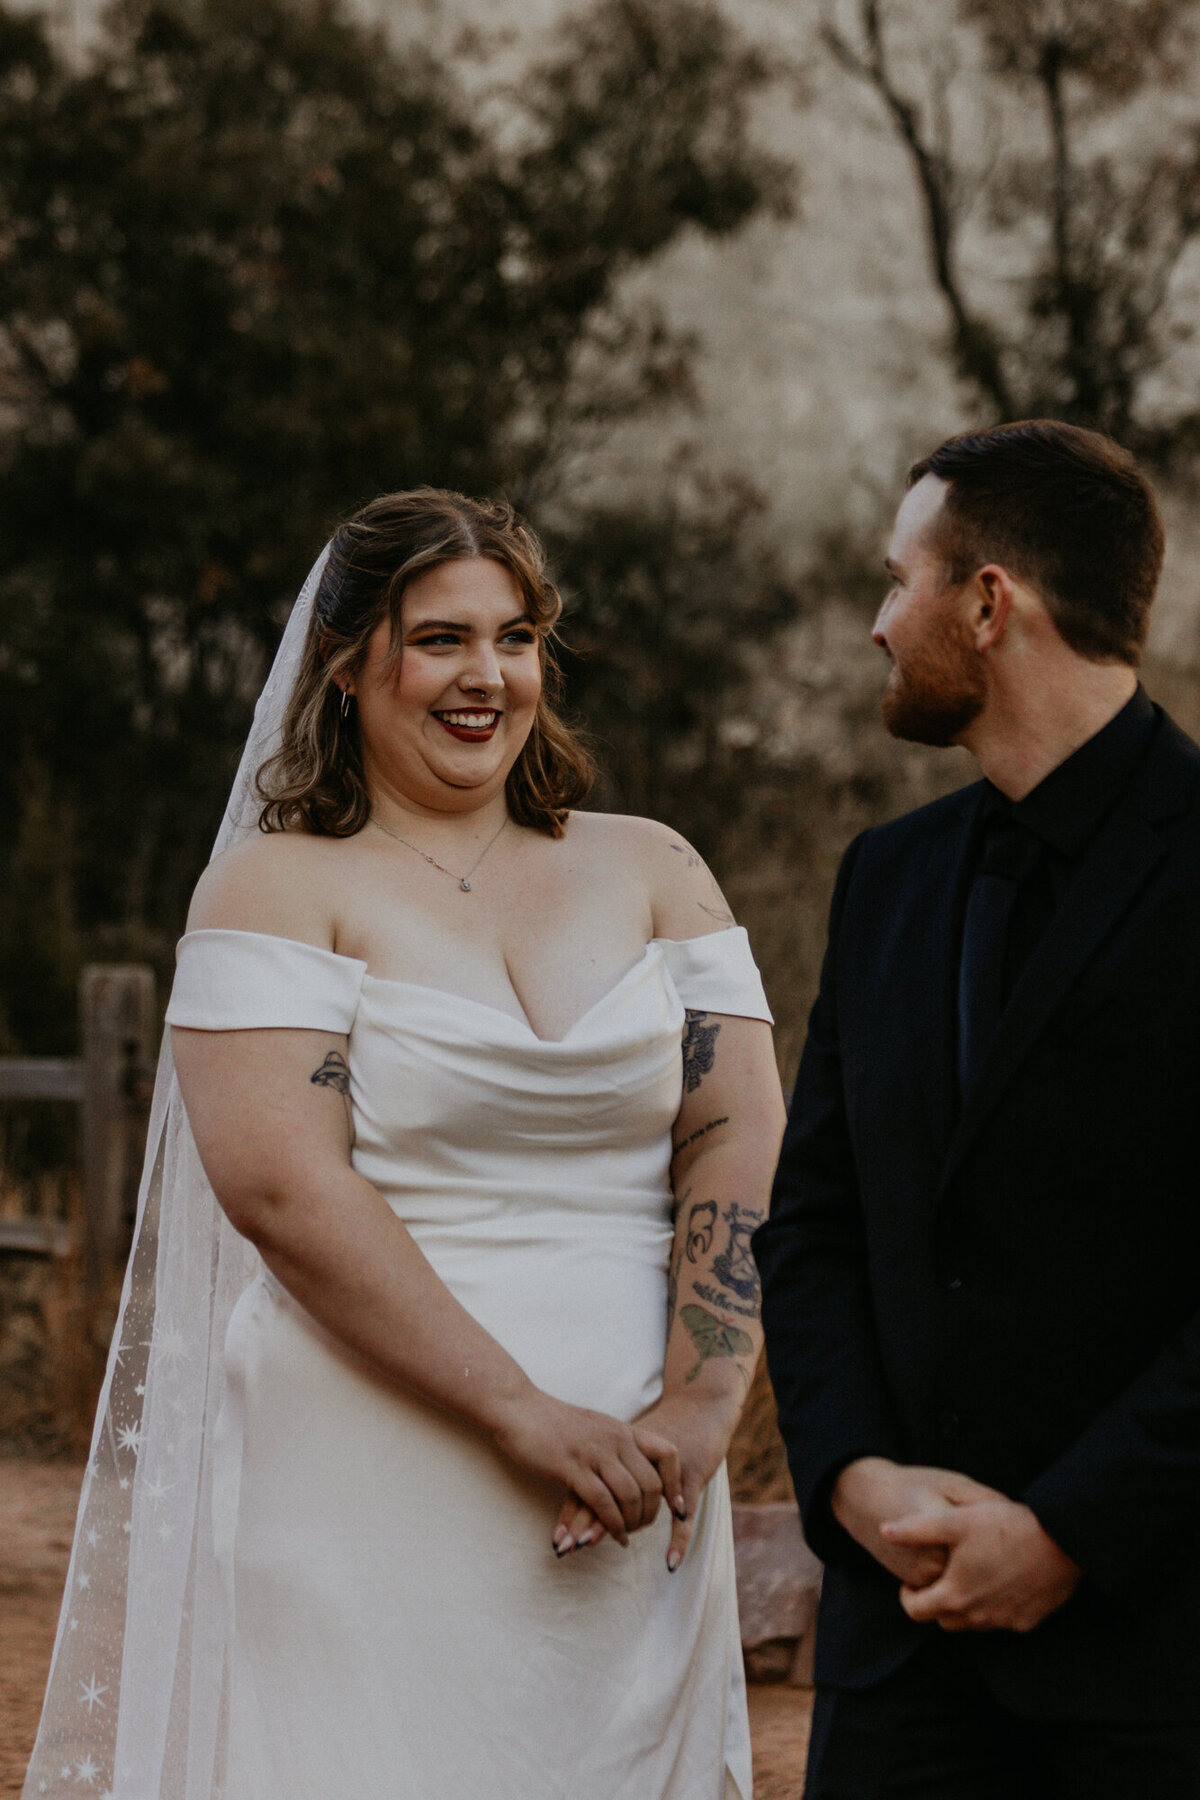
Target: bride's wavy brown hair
{"x":315,"y":780}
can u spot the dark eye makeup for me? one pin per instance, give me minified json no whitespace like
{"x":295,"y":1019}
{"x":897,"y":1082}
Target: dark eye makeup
{"x":518,"y":634}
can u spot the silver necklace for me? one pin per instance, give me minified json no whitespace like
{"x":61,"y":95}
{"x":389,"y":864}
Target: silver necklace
{"x":464,"y":881}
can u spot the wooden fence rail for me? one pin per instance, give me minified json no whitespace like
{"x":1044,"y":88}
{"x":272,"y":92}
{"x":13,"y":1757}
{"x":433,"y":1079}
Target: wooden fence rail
{"x":111,"y":1083}
{"x":41,"y":1078}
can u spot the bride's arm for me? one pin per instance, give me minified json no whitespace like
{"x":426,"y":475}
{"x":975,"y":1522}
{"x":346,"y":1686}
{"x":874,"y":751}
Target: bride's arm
{"x":270,"y":1114}
{"x":726,"y":1139}
{"x":726,"y":1144}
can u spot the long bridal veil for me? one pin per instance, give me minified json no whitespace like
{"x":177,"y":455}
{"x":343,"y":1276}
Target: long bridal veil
{"x":134,"y":1709}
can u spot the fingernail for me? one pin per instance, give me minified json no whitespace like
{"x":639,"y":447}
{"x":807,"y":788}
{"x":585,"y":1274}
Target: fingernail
{"x":674,"y":1558}
{"x":560,"y":1550}
{"x":584,"y":1538}
{"x":560,"y":1535}
{"x":680,"y":1507}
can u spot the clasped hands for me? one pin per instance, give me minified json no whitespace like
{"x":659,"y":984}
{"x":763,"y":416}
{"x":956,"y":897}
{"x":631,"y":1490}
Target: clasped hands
{"x":967,"y":1557}
{"x":617,"y":1475}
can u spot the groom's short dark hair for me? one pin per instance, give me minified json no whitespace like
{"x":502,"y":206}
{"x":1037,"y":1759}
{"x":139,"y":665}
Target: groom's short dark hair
{"x":1066,"y":510}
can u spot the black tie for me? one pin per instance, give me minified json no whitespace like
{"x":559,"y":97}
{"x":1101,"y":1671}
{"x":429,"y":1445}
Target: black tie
{"x":1009,"y":855}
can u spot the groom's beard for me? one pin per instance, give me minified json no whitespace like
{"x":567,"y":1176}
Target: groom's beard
{"x":937,"y":691}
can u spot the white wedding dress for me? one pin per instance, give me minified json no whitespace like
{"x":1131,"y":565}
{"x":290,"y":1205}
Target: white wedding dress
{"x":399,"y":1626}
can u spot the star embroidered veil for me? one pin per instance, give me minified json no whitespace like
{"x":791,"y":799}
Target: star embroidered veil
{"x":134,"y":1709}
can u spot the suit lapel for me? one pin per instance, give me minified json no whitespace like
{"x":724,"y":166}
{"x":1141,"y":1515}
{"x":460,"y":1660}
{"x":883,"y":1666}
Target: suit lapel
{"x":1120,"y":862}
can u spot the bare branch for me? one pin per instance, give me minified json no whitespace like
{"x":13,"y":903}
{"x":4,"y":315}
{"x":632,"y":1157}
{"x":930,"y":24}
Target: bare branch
{"x":976,"y":349}
{"x":843,"y":51}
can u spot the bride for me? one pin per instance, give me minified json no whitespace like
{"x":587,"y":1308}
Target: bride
{"x":484,"y":1086}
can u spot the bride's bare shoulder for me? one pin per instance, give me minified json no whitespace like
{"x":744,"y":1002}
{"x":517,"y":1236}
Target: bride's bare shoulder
{"x":627,"y":835}
{"x":684,"y":898}
{"x":278,"y":882}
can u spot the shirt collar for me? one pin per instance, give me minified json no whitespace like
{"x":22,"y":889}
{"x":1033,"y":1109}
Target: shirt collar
{"x":1068,"y":805}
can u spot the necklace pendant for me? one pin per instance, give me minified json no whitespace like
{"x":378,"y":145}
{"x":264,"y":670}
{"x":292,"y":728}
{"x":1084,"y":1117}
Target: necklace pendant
{"x":465,"y":885}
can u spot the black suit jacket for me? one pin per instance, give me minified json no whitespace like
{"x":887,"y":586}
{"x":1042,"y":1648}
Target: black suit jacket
{"x":1011,"y":1288}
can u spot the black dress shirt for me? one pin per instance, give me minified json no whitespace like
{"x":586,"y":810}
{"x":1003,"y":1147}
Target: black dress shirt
{"x":1060,"y":817}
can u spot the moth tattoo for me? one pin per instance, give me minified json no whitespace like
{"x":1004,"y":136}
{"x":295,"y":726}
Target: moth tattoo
{"x":711,"y":1338}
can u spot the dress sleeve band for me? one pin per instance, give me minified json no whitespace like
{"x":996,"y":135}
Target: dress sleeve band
{"x":243,"y":980}
{"x":717,"y":973}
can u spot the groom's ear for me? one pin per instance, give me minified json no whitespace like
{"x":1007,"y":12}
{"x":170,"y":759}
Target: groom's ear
{"x":990,"y":598}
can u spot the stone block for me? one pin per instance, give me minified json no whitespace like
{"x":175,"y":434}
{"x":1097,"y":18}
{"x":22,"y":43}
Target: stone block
{"x":779,"y":1583}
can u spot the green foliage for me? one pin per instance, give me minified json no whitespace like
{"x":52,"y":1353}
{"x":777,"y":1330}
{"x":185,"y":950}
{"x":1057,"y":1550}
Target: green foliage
{"x":257,"y":265}
{"x":663,"y":606}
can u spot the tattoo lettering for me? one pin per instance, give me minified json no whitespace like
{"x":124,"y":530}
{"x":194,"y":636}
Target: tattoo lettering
{"x":715,"y":1297}
{"x":697,"y":1135}
{"x":334,"y":1073}
{"x":699,"y":1040}
{"x":713,"y":1338}
{"x":735,"y":1267}
{"x":700,"y":1235}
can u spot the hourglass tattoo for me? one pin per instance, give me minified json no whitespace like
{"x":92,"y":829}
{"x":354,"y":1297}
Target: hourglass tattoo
{"x":733,"y":1267}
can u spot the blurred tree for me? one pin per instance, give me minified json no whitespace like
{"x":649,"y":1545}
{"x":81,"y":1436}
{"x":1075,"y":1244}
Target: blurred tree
{"x":258,"y":264}
{"x":666,"y":605}
{"x":1071,"y":166}
{"x":38,"y":911}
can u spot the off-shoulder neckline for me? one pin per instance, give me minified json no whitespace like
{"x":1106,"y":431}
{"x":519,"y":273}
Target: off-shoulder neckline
{"x":522,"y":1024}
{"x":273,"y":937}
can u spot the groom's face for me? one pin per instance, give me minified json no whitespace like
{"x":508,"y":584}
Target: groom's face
{"x":936,"y":686}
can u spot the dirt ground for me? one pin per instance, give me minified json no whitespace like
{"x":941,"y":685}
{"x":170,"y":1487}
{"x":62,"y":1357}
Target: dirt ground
{"x":37,"y":1513}
{"x":779,"y":1719}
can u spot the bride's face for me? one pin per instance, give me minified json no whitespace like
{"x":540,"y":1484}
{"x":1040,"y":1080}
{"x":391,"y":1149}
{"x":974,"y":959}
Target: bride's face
{"x":442,"y":726}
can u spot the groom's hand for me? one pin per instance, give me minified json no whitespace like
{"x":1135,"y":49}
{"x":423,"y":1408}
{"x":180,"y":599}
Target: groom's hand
{"x":873,"y":1490}
{"x":1002,"y":1571}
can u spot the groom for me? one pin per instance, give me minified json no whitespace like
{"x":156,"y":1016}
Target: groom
{"x":981,"y":1271}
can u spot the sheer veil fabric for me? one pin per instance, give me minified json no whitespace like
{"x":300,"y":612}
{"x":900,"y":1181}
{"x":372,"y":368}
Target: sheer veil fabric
{"x":134,"y":1708}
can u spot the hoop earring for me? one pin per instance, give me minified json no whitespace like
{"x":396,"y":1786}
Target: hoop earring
{"x":345,"y":703}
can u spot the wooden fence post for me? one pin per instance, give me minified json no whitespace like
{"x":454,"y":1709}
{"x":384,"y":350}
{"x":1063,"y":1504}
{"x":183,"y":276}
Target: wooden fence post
{"x":117,"y":1005}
